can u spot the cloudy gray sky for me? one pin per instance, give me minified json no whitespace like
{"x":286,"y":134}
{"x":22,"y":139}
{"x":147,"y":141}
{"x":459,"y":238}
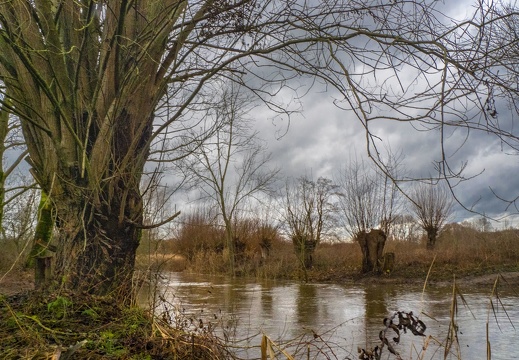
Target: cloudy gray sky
{"x":322,"y":137}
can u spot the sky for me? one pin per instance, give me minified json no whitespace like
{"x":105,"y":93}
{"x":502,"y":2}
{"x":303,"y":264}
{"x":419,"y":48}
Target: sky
{"x":321,"y":138}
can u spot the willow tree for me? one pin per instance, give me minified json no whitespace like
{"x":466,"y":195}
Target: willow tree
{"x":367,"y":202}
{"x":308,"y":214}
{"x":96,"y":82}
{"x":85,"y":78}
{"x":432,"y":206}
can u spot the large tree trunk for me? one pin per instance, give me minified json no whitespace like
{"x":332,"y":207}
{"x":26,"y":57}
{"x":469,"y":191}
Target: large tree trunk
{"x":372,"y":247}
{"x":100,"y":215}
{"x":96,"y":252}
{"x":85,"y":79}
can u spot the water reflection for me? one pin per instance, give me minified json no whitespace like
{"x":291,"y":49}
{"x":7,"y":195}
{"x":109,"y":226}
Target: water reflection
{"x":266,"y":301}
{"x":307,"y":307}
{"x":344,"y":316}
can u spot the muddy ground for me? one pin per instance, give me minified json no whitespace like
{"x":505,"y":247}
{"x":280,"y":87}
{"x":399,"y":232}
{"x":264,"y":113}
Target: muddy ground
{"x":15,"y":282}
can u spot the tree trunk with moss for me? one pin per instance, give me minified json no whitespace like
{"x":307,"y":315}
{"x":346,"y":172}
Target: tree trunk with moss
{"x":43,"y":231}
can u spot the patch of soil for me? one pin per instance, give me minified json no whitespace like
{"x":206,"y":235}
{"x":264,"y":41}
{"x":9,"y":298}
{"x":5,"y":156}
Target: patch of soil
{"x":16,"y":282}
{"x":486,"y":280}
{"x":507,"y":278}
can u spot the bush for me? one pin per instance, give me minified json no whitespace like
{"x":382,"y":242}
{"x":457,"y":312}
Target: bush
{"x":198,"y":233}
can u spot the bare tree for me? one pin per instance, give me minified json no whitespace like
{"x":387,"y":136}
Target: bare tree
{"x":391,"y":190}
{"x":231,"y":167}
{"x":17,"y":191}
{"x":12,"y":145}
{"x":483,"y":224}
{"x":405,"y":228}
{"x":96,"y":83}
{"x":367,"y":201}
{"x":432,"y":205}
{"x":20,"y":219}
{"x":308,"y":215}
{"x":360,"y":201}
{"x":158,"y":210}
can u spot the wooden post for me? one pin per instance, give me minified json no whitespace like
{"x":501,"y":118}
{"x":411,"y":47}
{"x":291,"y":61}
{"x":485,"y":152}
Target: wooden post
{"x":389,"y":263}
{"x":42,"y":270}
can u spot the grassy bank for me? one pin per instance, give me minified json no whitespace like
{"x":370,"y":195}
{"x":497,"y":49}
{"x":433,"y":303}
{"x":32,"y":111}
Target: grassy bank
{"x":459,"y":252}
{"x":66,"y":326}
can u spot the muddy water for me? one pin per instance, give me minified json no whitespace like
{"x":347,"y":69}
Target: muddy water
{"x":323,"y":321}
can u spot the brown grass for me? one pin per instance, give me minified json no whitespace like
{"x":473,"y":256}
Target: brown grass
{"x":460,"y":251}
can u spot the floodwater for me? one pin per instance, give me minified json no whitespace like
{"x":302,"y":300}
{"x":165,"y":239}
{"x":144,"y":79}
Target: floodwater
{"x":331,"y":321}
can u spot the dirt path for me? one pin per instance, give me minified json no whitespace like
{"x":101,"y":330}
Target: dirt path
{"x":509,"y":278}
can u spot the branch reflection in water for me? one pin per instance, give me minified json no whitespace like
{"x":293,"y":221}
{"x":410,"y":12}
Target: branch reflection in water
{"x":340,"y":318}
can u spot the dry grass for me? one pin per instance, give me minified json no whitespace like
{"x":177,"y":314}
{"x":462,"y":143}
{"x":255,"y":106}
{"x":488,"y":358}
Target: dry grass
{"x":459,"y":251}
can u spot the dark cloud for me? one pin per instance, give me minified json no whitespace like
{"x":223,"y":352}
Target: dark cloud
{"x":320,"y":138}
{"x":323,"y":137}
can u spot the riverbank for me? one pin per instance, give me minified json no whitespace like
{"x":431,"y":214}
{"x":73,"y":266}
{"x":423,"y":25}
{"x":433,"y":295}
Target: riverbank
{"x":510,"y":278}
{"x":39,"y":325}
{"x":22,"y":281}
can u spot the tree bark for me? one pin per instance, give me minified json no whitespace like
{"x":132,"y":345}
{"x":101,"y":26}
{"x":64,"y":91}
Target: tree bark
{"x":432,"y":234}
{"x":43,"y":231}
{"x":372,"y":247}
{"x":96,"y":250}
